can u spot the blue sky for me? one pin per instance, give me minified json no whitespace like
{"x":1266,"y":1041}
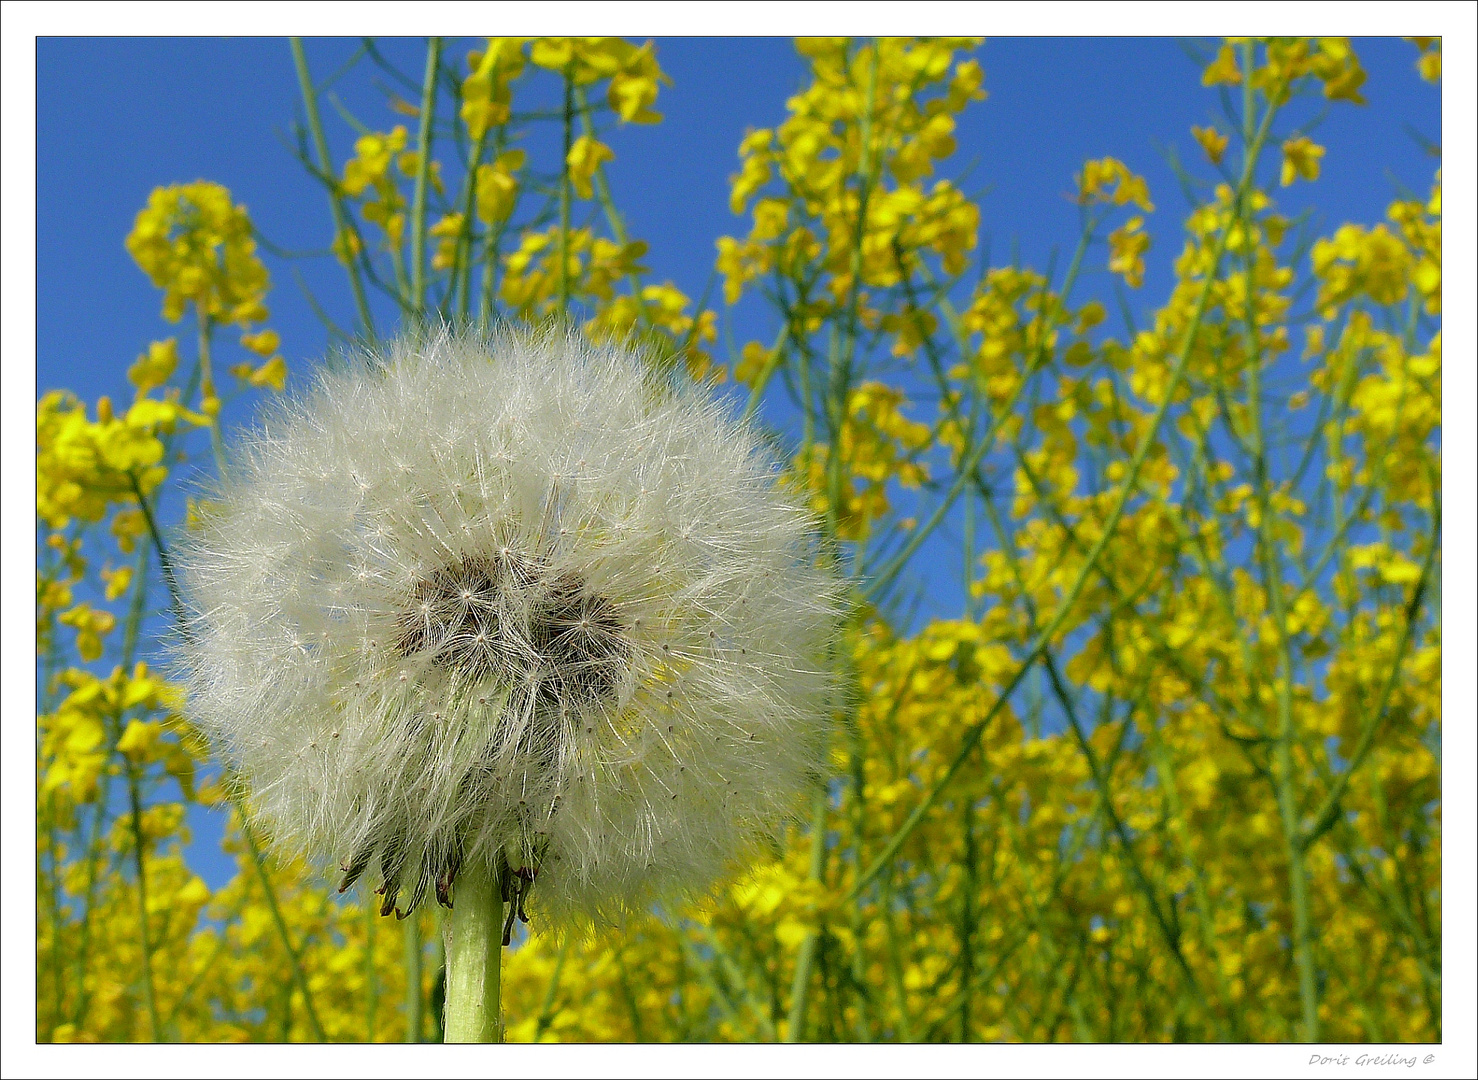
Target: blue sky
{"x":117,"y":117}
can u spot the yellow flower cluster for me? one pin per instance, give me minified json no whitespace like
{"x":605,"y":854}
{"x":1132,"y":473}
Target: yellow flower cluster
{"x":83,"y":466}
{"x":1429,"y":60}
{"x":632,"y":70}
{"x":1286,"y":60}
{"x":199,"y":248}
{"x":370,"y":171}
{"x":90,"y":716}
{"x":487,"y":94}
{"x":879,"y":445}
{"x":853,"y":156}
{"x":1380,"y":265}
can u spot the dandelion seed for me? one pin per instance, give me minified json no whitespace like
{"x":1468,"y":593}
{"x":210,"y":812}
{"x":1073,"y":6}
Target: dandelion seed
{"x":485,"y":631}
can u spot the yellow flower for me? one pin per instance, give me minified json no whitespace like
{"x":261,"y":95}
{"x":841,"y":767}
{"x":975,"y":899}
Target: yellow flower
{"x":1300,"y":160}
{"x":448,"y":233}
{"x":1127,"y":246}
{"x":487,"y":95}
{"x":1222,"y":71}
{"x":633,"y":88}
{"x":585,"y":157}
{"x":91,"y":626}
{"x":1429,"y":58}
{"x":1094,"y":181}
{"x":497,"y":187}
{"x":154,"y":367}
{"x":271,"y":374}
{"x":1213,"y":142}
{"x":117,"y":581}
{"x":264,"y":343}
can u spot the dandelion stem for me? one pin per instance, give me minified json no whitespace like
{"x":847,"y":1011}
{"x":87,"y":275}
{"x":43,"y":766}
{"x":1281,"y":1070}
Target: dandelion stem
{"x":474,"y":956}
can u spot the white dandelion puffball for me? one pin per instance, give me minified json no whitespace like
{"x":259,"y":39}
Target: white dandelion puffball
{"x":510,"y":598}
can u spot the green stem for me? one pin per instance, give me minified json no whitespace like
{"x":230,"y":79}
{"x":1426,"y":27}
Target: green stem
{"x":208,"y":391}
{"x":414,"y":978}
{"x":474,"y":957}
{"x":423,"y":173}
{"x":462,"y":271}
{"x":371,"y":976}
{"x":801,"y":985}
{"x":546,"y":1010}
{"x":1329,"y":809}
{"x":294,"y":958}
{"x":136,"y":821}
{"x":1288,"y":791}
{"x":341,"y":224}
{"x":564,"y":198}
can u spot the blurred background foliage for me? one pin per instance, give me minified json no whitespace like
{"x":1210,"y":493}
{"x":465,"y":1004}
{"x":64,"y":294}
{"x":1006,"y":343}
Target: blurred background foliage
{"x":1173,"y":772}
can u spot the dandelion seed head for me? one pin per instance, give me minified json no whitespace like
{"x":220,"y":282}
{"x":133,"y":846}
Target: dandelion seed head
{"x":513,"y":576}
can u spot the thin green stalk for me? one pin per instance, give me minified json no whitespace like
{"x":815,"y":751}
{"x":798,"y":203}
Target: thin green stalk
{"x":474,"y":958}
{"x":964,"y":476}
{"x":186,"y":996}
{"x":208,"y":391}
{"x":737,"y":981}
{"x":136,"y":825}
{"x":461,"y":272}
{"x":1165,"y":772}
{"x":50,"y":873}
{"x":602,"y":190}
{"x":325,"y":164}
{"x":294,"y":958}
{"x":772,"y":361}
{"x":423,"y":174}
{"x":801,"y":985}
{"x":838,"y":391}
{"x":1287,"y":788}
{"x":564,"y":197}
{"x":968,"y":917}
{"x":415,"y":970}
{"x":371,"y":974}
{"x":858,"y":756}
{"x":895,"y":961}
{"x":490,"y":272}
{"x":1101,"y":775}
{"x":546,"y":1009}
{"x":965,"y":472}
{"x":95,"y":844}
{"x":637,"y":1028}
